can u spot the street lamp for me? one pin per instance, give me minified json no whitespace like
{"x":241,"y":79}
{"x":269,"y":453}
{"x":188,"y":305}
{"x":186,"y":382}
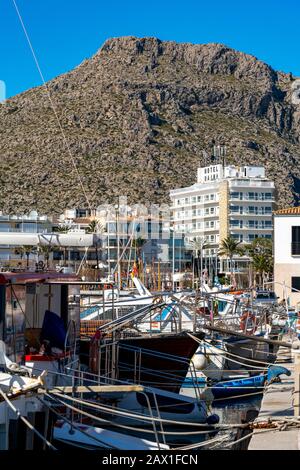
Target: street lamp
{"x":117,"y":208}
{"x":173,"y":259}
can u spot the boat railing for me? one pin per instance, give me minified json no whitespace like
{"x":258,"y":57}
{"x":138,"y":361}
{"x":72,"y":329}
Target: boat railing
{"x":138,"y":369}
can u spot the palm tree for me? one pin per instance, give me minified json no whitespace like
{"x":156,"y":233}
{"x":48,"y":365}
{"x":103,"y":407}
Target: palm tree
{"x":229,"y":247}
{"x":63,"y":228}
{"x":261,"y":253}
{"x":25,"y":250}
{"x":138,"y":244}
{"x":45,"y":250}
{"x":95,"y":227}
{"x":198,"y":245}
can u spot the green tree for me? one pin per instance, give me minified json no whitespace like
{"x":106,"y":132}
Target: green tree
{"x":25,"y":250}
{"x":45,"y":251}
{"x":198,"y":245}
{"x":229,"y":248}
{"x":260,"y":252}
{"x":95,"y":228}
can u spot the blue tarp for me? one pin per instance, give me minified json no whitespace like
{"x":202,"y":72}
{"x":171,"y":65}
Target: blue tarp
{"x":53,"y":330}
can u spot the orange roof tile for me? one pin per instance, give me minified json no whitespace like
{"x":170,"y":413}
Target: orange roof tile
{"x":288,"y":211}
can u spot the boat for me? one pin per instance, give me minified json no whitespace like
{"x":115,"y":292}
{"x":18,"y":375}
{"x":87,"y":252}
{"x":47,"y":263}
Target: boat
{"x":91,"y":437}
{"x":248,"y":385}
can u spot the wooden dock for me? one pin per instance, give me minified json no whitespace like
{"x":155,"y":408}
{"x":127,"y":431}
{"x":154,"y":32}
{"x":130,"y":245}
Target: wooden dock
{"x":278,"y":402}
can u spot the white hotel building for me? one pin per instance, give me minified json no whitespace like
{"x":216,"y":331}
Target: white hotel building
{"x":225,"y":201}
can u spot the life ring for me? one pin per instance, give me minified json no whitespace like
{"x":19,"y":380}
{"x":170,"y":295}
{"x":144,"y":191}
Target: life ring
{"x":244,"y":321}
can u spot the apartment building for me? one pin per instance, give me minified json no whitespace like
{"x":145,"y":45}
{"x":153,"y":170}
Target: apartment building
{"x":225,"y":201}
{"x":287,"y":254}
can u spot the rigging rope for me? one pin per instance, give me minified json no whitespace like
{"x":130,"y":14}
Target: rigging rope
{"x":51,"y":102}
{"x":25,"y":421}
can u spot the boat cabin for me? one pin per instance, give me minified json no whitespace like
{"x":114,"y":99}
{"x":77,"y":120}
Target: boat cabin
{"x":33,"y":305}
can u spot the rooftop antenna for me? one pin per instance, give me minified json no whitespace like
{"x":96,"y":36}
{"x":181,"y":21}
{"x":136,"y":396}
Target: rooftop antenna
{"x":206,"y":157}
{"x":223,"y":152}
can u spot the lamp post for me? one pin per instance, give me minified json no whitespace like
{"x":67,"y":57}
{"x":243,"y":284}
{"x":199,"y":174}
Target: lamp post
{"x":118,"y":246}
{"x":173,"y":257}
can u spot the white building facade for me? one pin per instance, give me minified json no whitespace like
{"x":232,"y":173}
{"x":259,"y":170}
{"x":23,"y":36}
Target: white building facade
{"x":287,"y":254}
{"x":225,"y":201}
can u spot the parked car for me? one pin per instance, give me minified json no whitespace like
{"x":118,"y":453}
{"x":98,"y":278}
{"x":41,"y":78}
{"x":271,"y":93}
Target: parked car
{"x":265,"y":297}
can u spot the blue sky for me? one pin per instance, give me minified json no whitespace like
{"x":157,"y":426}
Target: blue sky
{"x":65,"y":32}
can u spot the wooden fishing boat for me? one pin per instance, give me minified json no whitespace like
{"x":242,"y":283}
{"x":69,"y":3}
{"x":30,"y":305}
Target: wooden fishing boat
{"x":160,"y":361}
{"x":232,"y":388}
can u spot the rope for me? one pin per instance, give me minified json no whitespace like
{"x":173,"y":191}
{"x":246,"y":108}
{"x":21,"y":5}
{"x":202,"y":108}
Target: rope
{"x":143,"y":418}
{"x":64,"y":418}
{"x":51,"y":102}
{"x":25,"y":421}
{"x":201,"y":444}
{"x":231,"y":354}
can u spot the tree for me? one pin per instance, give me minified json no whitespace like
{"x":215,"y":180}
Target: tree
{"x":229,"y":247}
{"x":45,"y":250}
{"x":25,"y":250}
{"x":63,"y":228}
{"x":138,"y":244}
{"x":260,"y":252}
{"x":198,"y":245}
{"x":95,"y":227}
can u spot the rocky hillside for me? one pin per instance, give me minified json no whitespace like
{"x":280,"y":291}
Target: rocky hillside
{"x":137,"y":117}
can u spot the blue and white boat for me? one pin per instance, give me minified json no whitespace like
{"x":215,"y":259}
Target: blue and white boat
{"x":248,"y":385}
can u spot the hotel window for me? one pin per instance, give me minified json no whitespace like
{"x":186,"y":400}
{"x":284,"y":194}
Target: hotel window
{"x":268,"y":223}
{"x":252,"y":210}
{"x":252,"y":223}
{"x":235,"y":195}
{"x":295,"y":283}
{"x":194,"y":212}
{"x":206,"y":224}
{"x":206,"y":197}
{"x":268,"y":210}
{"x":212,"y":197}
{"x":206,"y":211}
{"x":199,"y":198}
{"x":212,"y":210}
{"x":186,"y":200}
{"x":234,"y":223}
{"x":194,"y":199}
{"x":212,"y":224}
{"x":296,"y":240}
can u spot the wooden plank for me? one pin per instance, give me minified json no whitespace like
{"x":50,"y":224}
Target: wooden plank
{"x":95,"y":389}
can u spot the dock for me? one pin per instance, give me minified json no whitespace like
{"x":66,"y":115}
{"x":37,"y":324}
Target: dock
{"x":278,"y":402}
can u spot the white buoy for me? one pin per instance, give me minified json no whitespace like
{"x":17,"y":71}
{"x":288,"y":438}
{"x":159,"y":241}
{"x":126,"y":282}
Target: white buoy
{"x":200,"y":361}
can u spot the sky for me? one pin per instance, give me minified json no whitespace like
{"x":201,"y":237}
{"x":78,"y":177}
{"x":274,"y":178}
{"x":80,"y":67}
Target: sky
{"x":65,"y":32}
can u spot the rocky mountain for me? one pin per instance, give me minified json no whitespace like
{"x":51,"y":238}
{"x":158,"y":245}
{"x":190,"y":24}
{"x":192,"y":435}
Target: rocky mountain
{"x":139,"y":117}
